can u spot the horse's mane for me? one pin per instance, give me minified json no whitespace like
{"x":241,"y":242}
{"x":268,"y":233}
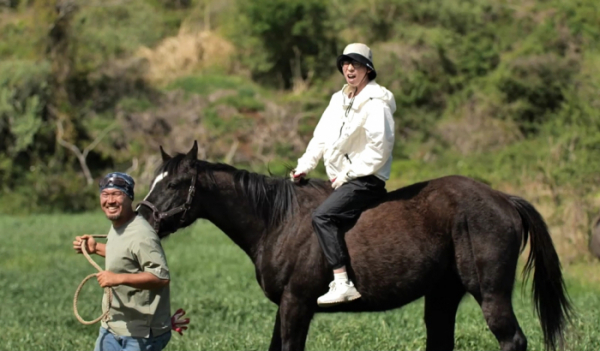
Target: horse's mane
{"x":274,"y":198}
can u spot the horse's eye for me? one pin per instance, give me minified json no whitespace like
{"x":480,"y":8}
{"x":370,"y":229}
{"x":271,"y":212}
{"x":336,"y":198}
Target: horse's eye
{"x":171,"y":185}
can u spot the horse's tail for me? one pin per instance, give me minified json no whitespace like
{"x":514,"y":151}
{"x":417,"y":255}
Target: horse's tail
{"x":549,"y":292}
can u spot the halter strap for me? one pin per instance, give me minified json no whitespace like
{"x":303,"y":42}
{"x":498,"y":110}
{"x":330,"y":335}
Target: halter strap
{"x":158,"y":215}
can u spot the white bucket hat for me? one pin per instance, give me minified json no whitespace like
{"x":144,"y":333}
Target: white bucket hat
{"x":358,"y":52}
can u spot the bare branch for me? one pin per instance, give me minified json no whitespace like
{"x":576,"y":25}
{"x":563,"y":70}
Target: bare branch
{"x":81,"y":156}
{"x":75,"y":150}
{"x":134,"y":166}
{"x":232,"y":151}
{"x":99,"y":138}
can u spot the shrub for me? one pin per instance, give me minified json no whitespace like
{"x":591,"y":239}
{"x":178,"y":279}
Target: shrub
{"x":285,"y":40}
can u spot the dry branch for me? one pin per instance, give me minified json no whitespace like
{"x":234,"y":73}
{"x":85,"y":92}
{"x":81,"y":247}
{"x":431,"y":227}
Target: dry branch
{"x":232,"y":151}
{"x":81,"y":155}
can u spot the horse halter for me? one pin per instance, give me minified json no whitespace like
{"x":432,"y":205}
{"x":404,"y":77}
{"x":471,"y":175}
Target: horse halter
{"x":159,"y":216}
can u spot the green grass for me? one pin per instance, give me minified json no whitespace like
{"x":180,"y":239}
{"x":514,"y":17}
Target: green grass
{"x":214,"y":281}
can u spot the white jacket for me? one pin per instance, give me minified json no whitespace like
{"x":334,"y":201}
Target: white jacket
{"x":359,"y":144}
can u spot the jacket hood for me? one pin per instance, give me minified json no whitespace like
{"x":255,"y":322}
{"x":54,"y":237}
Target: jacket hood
{"x":372,"y":91}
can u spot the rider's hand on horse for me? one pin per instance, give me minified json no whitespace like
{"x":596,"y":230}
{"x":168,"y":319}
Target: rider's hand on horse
{"x":296,"y":177}
{"x":108,"y":279}
{"x":91,"y":244}
{"x":178,"y":324}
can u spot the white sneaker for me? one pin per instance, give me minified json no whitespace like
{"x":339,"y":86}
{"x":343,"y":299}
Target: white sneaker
{"x":339,"y":292}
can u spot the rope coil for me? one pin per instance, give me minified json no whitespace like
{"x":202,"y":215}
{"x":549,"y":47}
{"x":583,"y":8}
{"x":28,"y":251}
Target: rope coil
{"x":107,"y":290}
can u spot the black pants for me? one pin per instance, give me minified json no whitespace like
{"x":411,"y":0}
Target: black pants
{"x":340,"y":211}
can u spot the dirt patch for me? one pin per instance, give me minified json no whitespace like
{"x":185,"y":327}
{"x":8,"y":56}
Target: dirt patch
{"x":185,"y":53}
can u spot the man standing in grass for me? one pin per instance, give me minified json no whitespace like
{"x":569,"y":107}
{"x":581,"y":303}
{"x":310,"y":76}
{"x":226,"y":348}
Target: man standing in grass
{"x":136,"y":270}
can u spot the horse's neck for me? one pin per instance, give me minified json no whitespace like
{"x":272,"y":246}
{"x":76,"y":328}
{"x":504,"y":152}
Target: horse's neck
{"x":231,"y":213}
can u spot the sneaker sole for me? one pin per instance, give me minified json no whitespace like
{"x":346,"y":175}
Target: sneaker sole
{"x":338,"y":302}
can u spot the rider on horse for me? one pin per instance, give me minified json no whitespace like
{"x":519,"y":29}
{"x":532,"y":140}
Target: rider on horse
{"x":355,"y":138}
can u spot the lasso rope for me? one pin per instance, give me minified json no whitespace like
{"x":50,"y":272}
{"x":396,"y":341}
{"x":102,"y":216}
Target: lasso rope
{"x":107,"y":290}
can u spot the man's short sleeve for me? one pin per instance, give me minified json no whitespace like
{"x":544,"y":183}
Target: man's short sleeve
{"x":151,"y":257}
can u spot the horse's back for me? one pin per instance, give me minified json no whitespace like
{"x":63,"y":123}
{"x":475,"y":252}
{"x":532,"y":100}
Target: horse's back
{"x":415,"y":235}
{"x":407,"y":239}
{"x":404,"y":246}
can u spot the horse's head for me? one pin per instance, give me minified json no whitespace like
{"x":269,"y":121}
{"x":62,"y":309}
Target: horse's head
{"x":169,"y":204}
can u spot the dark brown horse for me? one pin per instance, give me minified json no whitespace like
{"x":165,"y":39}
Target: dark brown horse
{"x":440,"y":239}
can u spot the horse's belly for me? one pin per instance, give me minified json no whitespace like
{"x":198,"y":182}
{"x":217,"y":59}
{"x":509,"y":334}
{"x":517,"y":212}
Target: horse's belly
{"x":392,"y":269}
{"x":375,"y":303}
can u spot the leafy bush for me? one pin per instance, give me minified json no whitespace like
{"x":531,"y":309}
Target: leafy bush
{"x":103,"y":33}
{"x":284,"y":40}
{"x":23,"y":94}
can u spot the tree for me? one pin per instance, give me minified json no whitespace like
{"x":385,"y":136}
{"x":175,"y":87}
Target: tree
{"x":284,"y":41}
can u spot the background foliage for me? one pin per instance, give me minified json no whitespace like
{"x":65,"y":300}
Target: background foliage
{"x":503,"y":91}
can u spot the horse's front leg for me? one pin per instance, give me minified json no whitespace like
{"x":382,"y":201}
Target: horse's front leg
{"x":294,"y":317}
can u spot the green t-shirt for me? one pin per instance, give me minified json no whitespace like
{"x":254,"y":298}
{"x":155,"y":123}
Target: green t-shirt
{"x":135,"y":247}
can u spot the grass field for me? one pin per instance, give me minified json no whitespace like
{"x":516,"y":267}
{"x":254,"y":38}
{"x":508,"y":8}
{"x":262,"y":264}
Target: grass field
{"x":214,"y":281}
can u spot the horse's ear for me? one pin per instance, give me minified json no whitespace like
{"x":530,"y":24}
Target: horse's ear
{"x":193,"y":153}
{"x":165,"y":156}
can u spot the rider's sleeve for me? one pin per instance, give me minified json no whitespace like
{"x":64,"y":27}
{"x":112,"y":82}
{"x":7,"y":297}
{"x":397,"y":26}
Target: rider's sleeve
{"x":315,"y":148}
{"x":379,"y":128}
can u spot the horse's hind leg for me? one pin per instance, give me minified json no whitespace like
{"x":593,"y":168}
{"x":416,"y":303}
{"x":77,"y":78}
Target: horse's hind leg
{"x":491,"y":281}
{"x":440,"y":313}
{"x":498,"y":312}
